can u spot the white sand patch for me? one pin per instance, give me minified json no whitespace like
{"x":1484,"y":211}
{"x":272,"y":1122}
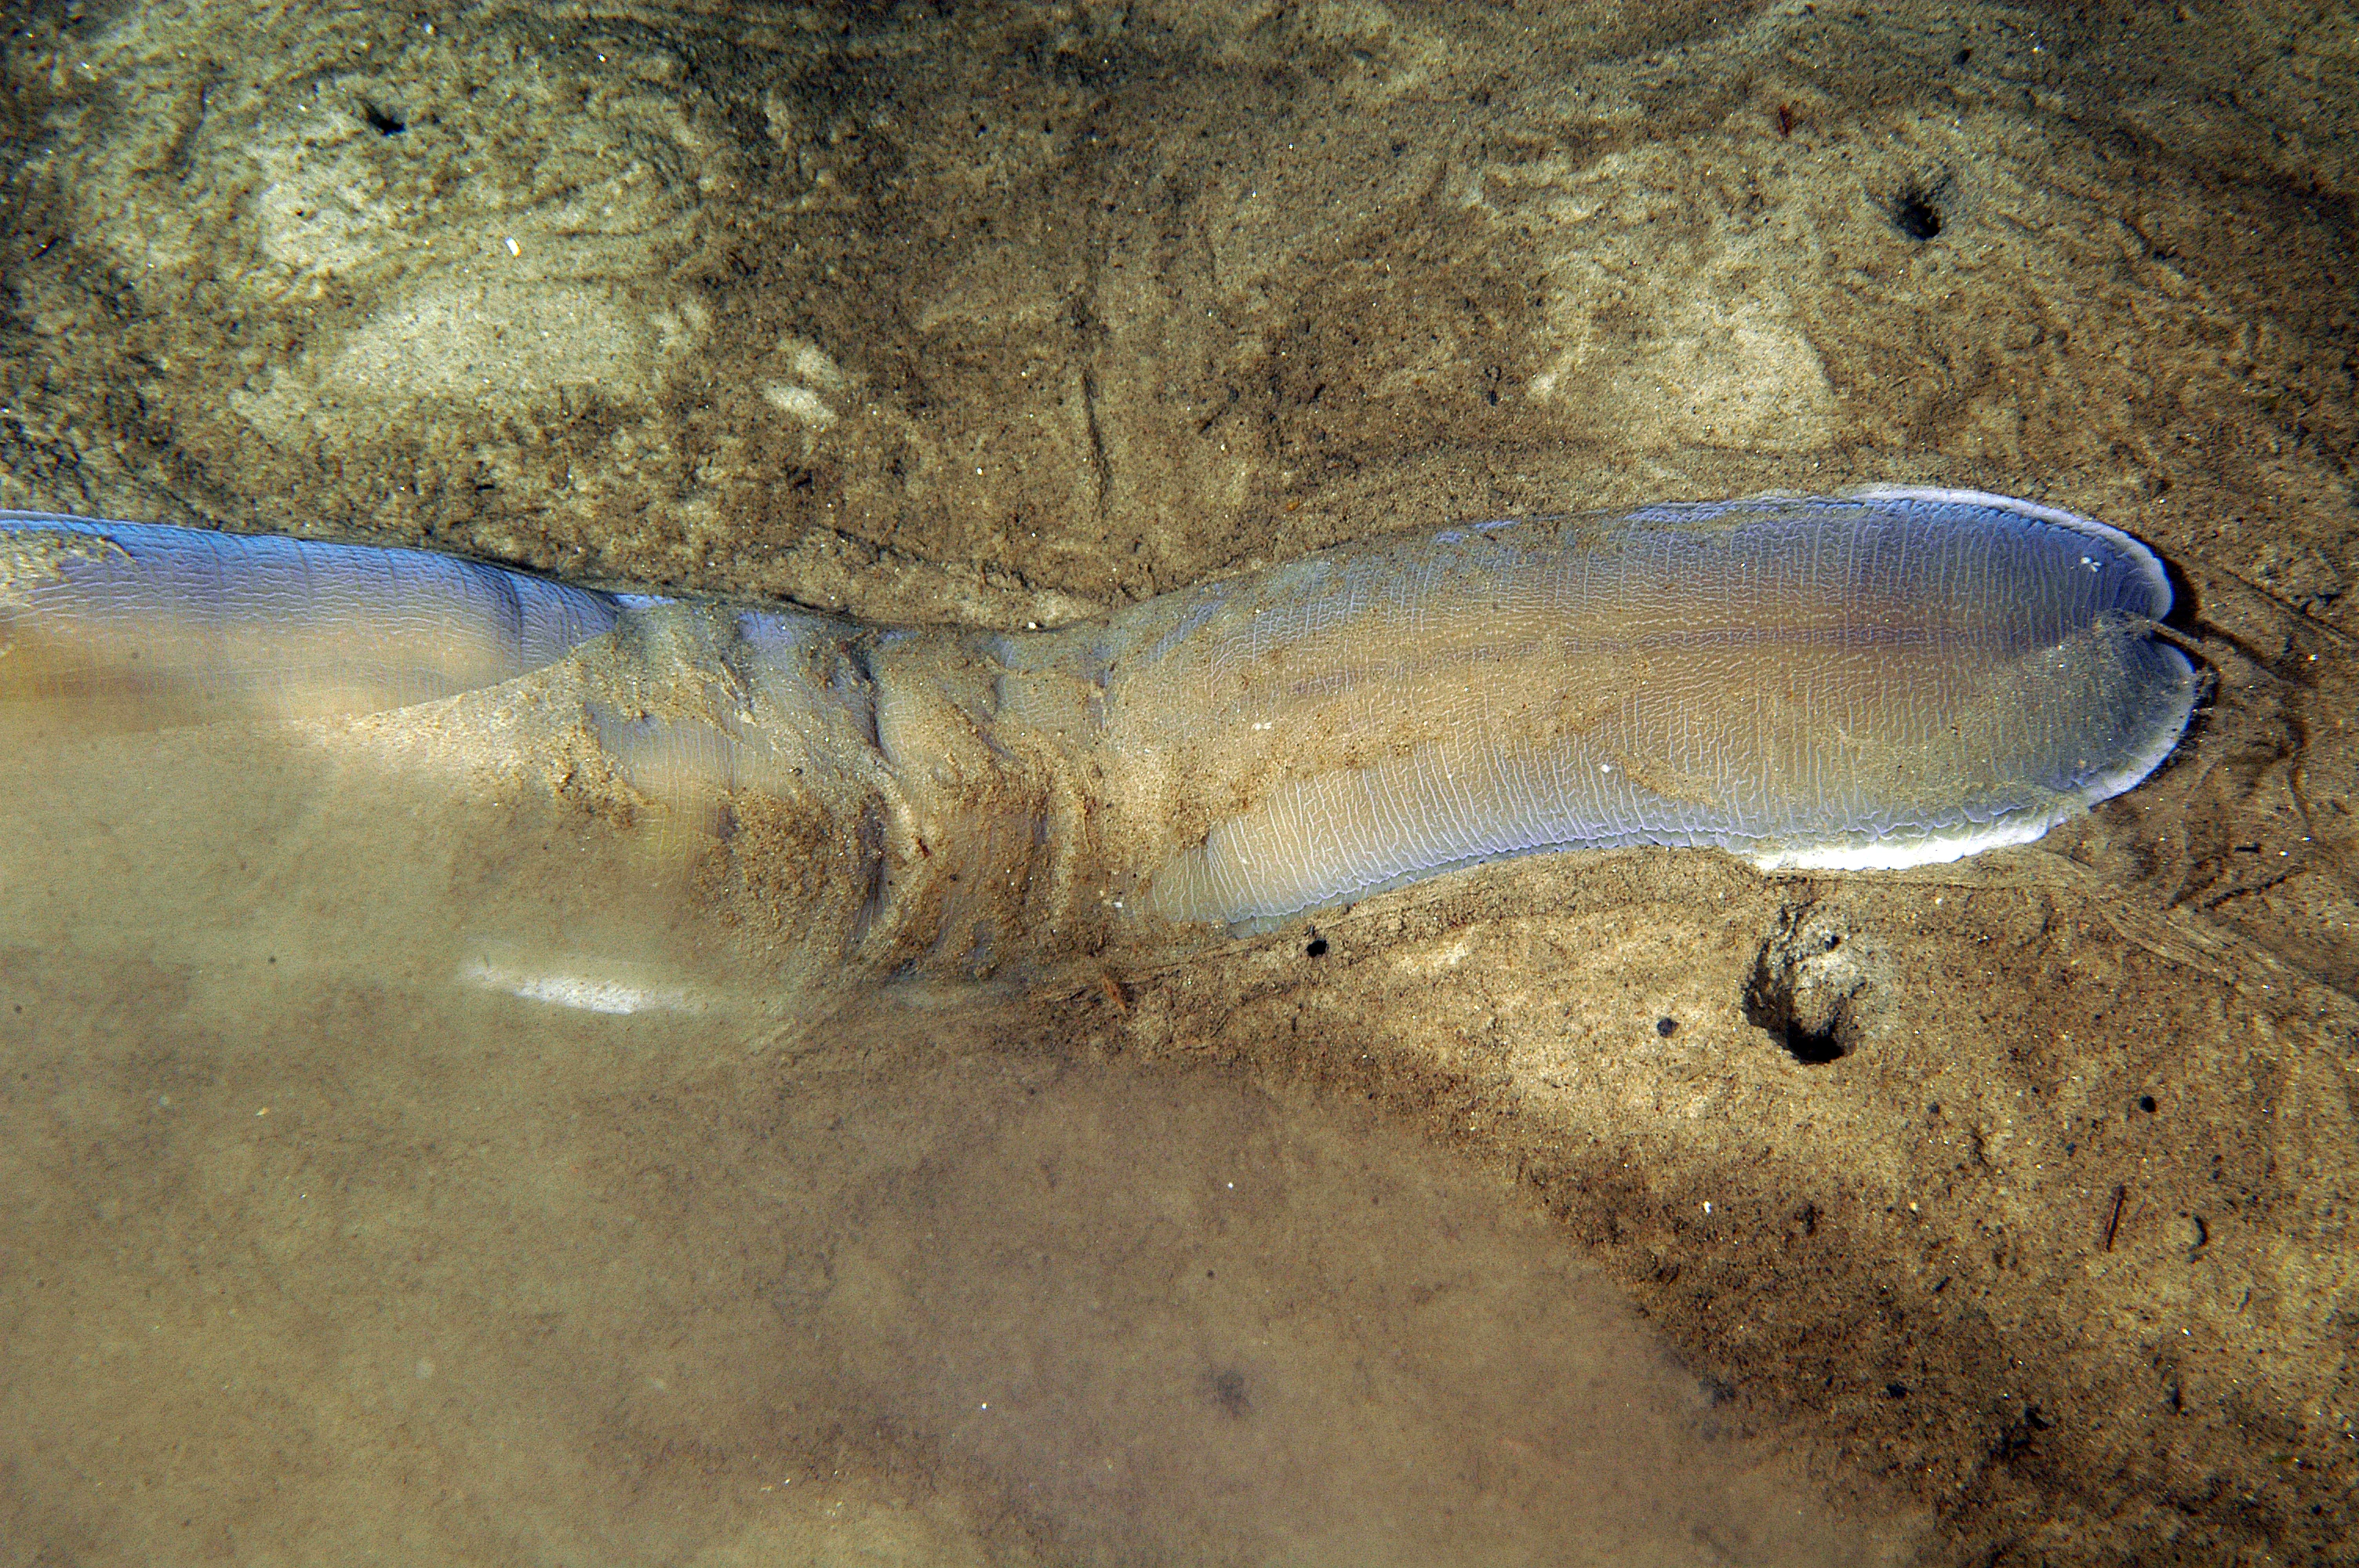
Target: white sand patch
{"x":1671,"y":305}
{"x":809,"y":373}
{"x":810,"y":363}
{"x":587,"y":985}
{"x":800,"y":403}
{"x":479,"y":338}
{"x":456,"y":338}
{"x":1706,"y":372}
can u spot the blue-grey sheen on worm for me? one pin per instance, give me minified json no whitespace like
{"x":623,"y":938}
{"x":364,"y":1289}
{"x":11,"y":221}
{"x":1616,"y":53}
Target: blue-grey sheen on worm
{"x":1882,"y":679}
{"x":1885,"y":679}
{"x":125,"y":622}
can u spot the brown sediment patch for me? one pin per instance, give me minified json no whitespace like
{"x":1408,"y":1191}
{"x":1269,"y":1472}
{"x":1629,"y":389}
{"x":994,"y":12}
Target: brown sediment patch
{"x":1900,"y":1245}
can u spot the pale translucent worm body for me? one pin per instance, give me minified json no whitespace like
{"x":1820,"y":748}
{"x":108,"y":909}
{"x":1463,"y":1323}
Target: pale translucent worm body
{"x":1876,"y":680}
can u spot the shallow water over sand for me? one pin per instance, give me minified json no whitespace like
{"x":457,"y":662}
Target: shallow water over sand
{"x":327,"y":1243}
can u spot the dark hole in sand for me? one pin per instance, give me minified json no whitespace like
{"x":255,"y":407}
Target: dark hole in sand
{"x":1915,"y":213}
{"x":1812,"y":1035}
{"x":1813,"y":1047}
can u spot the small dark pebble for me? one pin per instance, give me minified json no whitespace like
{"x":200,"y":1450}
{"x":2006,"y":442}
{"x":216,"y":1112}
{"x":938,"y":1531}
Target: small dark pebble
{"x":1666,"y":1027}
{"x":1318,"y":948}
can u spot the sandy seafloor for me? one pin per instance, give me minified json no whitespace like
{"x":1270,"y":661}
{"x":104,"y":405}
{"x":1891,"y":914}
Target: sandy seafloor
{"x":1424,"y":1248}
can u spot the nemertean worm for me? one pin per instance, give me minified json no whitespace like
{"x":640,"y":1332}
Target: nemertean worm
{"x":1880,"y":679}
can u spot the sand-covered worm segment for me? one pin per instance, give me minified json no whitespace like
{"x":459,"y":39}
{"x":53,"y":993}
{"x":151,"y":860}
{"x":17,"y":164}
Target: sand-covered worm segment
{"x":1882,"y":679}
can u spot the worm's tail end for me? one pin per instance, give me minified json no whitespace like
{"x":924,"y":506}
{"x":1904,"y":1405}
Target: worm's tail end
{"x":125,"y":626}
